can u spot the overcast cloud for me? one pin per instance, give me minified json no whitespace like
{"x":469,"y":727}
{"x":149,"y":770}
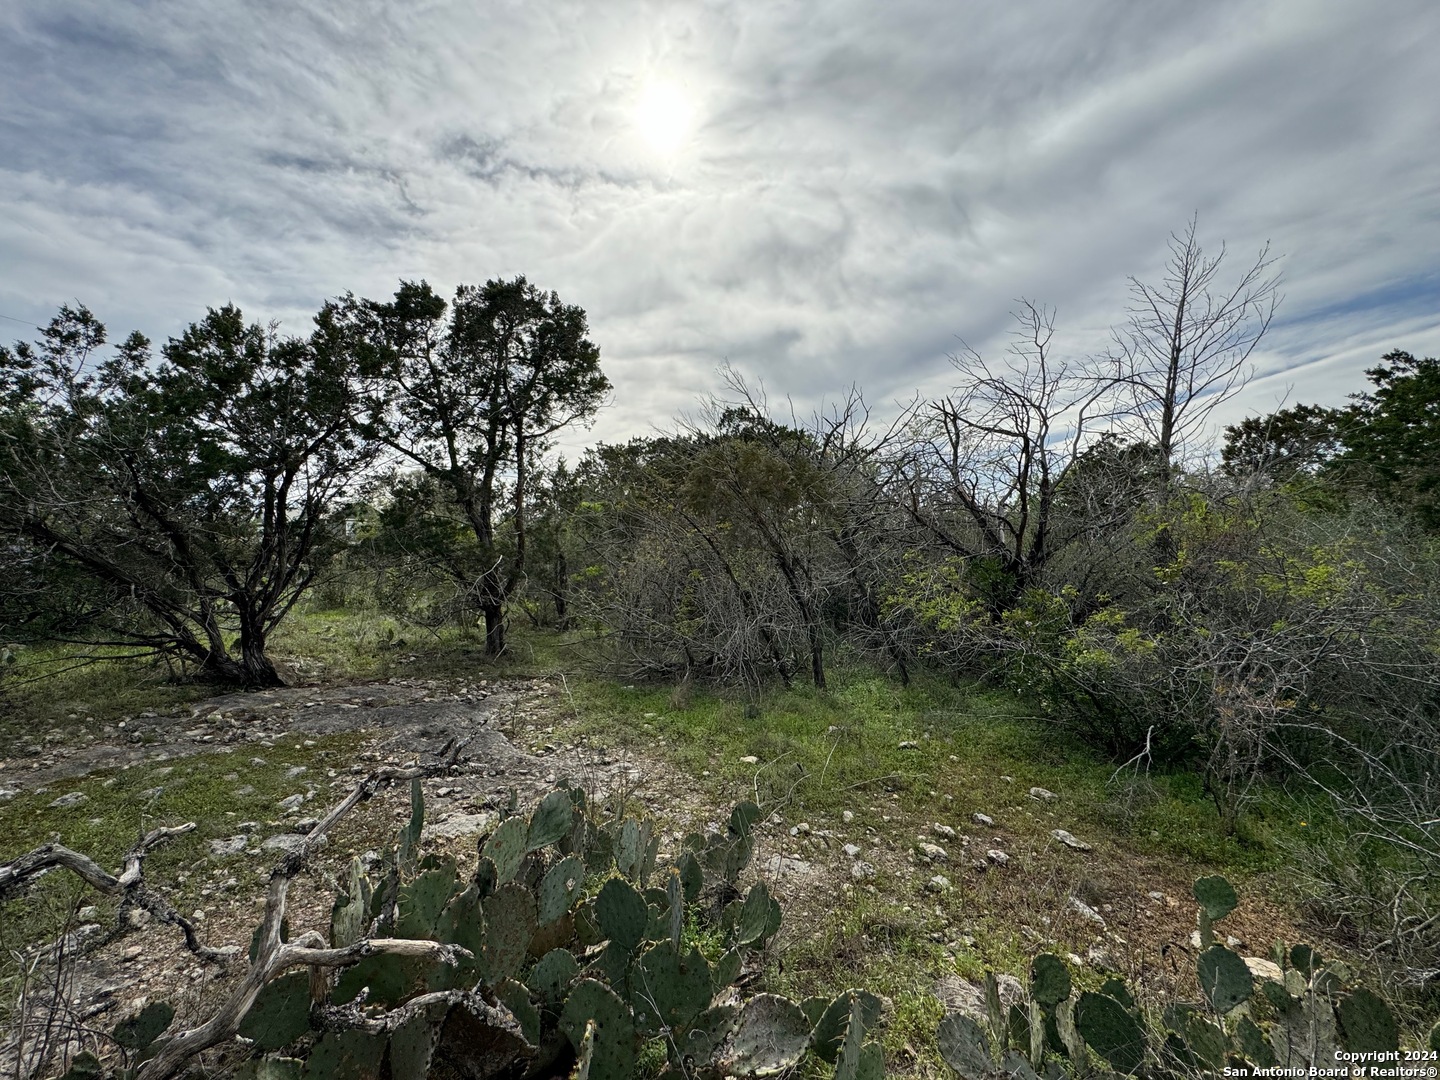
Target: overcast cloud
{"x":856,"y":186}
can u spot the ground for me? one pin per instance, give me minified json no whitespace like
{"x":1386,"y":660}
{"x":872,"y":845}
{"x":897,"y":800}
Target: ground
{"x":869,"y":766}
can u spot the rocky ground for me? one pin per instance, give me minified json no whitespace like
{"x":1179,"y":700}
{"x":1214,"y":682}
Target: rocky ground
{"x":940,"y":881}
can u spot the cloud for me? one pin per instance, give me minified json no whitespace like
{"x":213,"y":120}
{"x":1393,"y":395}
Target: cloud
{"x":864,"y":185}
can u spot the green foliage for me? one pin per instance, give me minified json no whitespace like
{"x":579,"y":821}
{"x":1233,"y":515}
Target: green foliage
{"x":1298,"y":1023}
{"x":185,"y":504}
{"x":556,"y":961}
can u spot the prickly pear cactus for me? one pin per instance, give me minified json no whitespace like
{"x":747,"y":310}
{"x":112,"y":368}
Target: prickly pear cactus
{"x":1297,"y":1021}
{"x":570,"y":942}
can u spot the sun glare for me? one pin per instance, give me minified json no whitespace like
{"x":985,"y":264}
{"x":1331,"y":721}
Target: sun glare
{"x":664,"y":116}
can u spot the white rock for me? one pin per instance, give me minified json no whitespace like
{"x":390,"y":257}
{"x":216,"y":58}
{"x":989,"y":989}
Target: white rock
{"x":982,"y":819}
{"x":1261,"y":968}
{"x":938,"y":883}
{"x":453,"y":826}
{"x":852,"y":850}
{"x":862,"y":870}
{"x":1043,"y":795}
{"x":847,"y":816}
{"x":933,"y":853}
{"x":292,"y":802}
{"x":1069,"y":841}
{"x":233,"y":845}
{"x":998,"y":857}
{"x":75,"y":798}
{"x":909,"y":745}
{"x":779,"y":865}
{"x":945,"y":832}
{"x":749,"y":759}
{"x":1086,"y":911}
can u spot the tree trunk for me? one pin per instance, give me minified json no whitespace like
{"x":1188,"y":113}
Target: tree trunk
{"x":253,"y":669}
{"x":817,"y":656}
{"x":561,"y":591}
{"x":494,"y":629}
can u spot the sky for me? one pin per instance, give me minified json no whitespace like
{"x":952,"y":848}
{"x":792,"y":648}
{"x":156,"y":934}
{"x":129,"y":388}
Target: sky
{"x":818,"y":194}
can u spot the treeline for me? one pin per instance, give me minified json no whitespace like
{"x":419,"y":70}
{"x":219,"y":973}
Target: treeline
{"x":1059,"y":525}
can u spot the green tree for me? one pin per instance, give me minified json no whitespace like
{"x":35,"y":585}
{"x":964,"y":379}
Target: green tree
{"x":187,"y":503}
{"x":1392,"y":435}
{"x":472,"y":399}
{"x":1299,"y":441}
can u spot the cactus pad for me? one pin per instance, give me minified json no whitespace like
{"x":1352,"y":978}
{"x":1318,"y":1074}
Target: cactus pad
{"x":630,"y":848}
{"x":599,"y":849}
{"x":280,"y":1014}
{"x":390,"y":980}
{"x":346,"y":1055}
{"x":554,"y":973}
{"x":743,"y":818}
{"x":505,"y":848}
{"x":965,"y":1047}
{"x":560,"y":887}
{"x":551,"y":821}
{"x":418,"y":903}
{"x":1117,"y":989}
{"x":1110,"y":1031}
{"x":509,"y":926}
{"x":1216,"y":896}
{"x":727,"y":968}
{"x":708,"y":1033}
{"x":412,"y":1044}
{"x":674,"y":988}
{"x":833,"y":1025}
{"x":771,"y":1037}
{"x":1224,"y":978}
{"x":1366,"y":1022}
{"x":139,"y":1031}
{"x":348,"y":915}
{"x":1049,"y":980}
{"x":858,"y":1059}
{"x":515,"y":997}
{"x":408,"y":852}
{"x":754,"y":915}
{"x":692,"y":876}
{"x":622,"y":913}
{"x":1252,"y":1043}
{"x":675,"y":900}
{"x":613,"y":1055}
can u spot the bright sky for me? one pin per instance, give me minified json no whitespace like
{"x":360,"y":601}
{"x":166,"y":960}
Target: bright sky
{"x":819,"y":193}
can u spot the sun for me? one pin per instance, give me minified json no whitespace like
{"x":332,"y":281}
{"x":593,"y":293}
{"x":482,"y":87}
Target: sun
{"x":664,"y":116}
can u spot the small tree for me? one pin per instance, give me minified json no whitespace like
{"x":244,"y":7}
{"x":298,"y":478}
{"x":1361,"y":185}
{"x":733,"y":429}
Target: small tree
{"x":188,"y":502}
{"x":472,"y":400}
